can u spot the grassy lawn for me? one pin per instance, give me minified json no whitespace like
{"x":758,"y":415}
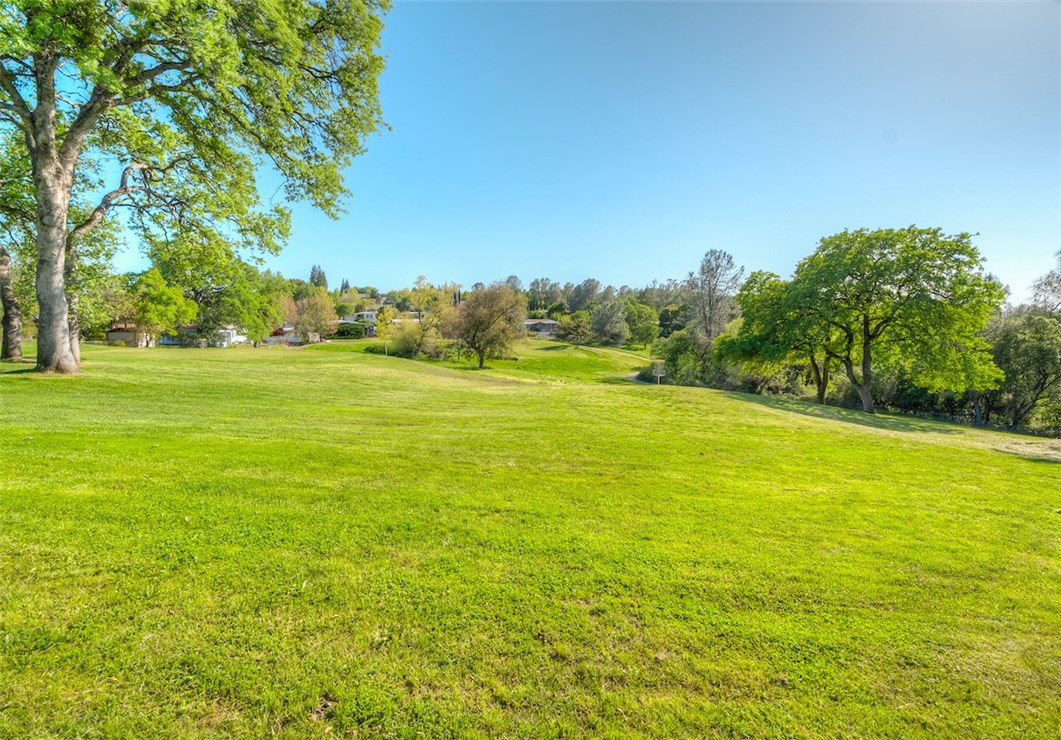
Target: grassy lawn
{"x":321,"y":541}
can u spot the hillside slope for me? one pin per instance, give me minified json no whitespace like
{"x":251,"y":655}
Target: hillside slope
{"x":300,"y":542}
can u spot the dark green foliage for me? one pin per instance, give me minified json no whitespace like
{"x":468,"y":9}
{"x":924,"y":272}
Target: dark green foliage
{"x":350,"y":331}
{"x":643,"y":323}
{"x":672,"y":318}
{"x":1027,"y":347}
{"x":575,"y":328}
{"x":608,"y":321}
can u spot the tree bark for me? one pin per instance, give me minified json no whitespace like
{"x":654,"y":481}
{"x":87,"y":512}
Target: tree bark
{"x":863,"y":388}
{"x":72,"y":299}
{"x":482,"y":358}
{"x":978,"y":411}
{"x":12,"y":323}
{"x":821,"y":378}
{"x":53,"y":327}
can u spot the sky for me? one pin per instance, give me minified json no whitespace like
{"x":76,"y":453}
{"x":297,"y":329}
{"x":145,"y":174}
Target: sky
{"x":622,"y":140}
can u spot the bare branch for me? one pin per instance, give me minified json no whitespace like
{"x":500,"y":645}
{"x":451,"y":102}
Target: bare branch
{"x":107,"y":202}
{"x":18,"y":103}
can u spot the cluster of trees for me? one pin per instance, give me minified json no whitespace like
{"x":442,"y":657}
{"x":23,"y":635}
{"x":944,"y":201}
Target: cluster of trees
{"x":187,"y":102}
{"x":903,"y":318}
{"x":444,"y":320}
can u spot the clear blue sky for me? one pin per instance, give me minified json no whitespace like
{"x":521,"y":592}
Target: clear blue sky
{"x":621,"y":140}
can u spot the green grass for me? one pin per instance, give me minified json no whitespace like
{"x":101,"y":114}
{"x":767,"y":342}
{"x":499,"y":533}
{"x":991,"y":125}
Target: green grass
{"x":302,"y":542}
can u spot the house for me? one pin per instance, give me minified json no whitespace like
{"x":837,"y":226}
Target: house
{"x":187,"y":336}
{"x":128,"y":334}
{"x":362,"y":317}
{"x":541,"y":328}
{"x":285,"y":335}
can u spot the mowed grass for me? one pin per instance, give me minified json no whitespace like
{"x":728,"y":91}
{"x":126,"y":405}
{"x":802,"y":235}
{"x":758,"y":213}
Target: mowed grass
{"x":321,"y":541}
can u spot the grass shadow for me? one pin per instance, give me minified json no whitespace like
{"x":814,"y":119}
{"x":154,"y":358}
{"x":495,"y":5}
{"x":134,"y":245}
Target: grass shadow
{"x":879,"y":420}
{"x":18,"y":368}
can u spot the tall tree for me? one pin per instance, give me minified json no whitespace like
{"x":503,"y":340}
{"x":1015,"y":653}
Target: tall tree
{"x":643,"y":322}
{"x":490,"y":319}
{"x":317,"y":278}
{"x":385,"y":326}
{"x":1027,"y":347}
{"x":1048,"y":289}
{"x":916,"y":298}
{"x":583,"y":295}
{"x":777,"y":327}
{"x":316,"y":315}
{"x":188,"y":95}
{"x":711,"y":290}
{"x":608,"y":320}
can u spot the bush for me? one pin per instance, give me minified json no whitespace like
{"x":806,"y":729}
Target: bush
{"x":350,"y":331}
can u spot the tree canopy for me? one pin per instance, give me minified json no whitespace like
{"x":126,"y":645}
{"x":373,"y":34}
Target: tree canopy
{"x":191,"y":96}
{"x":914,"y":298}
{"x":488,"y":320}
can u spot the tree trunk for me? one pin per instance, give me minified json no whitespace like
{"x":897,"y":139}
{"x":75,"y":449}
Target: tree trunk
{"x":53,"y":328}
{"x":12,"y":324}
{"x":821,"y":378}
{"x":72,"y":299}
{"x":978,"y":411}
{"x":863,"y":389}
{"x":482,"y":358}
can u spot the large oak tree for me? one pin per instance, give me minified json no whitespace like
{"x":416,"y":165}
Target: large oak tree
{"x":191,"y":97}
{"x":917,"y":298}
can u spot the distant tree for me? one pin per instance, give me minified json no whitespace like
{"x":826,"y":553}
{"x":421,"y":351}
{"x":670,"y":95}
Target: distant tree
{"x":658,"y":295}
{"x":1048,"y":289}
{"x":385,"y":326}
{"x":317,"y":278}
{"x":159,"y":308}
{"x":1027,"y":347}
{"x":254,"y":303}
{"x":672,"y":318}
{"x":556,"y":310}
{"x":543,"y":293}
{"x":345,"y":309}
{"x":584,"y":295}
{"x":299,"y":289}
{"x":489,"y":320}
{"x":345,"y":286}
{"x":643,"y":322}
{"x":316,"y":315}
{"x":514,"y":282}
{"x":432,"y":306}
{"x":609,"y":322}
{"x":575,"y":328}
{"x":711,"y":291}
{"x":683,"y":358}
{"x":914,"y":297}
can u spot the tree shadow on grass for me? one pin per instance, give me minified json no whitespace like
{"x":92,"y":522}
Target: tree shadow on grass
{"x":18,"y":368}
{"x":879,"y":420}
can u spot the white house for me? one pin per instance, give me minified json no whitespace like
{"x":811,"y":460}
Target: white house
{"x":541,"y":328}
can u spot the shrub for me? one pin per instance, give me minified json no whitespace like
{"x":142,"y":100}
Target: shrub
{"x":350,"y":331}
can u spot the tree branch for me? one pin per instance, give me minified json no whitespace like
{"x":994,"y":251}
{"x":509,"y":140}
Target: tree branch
{"x":18,"y":103}
{"x":107,"y":202}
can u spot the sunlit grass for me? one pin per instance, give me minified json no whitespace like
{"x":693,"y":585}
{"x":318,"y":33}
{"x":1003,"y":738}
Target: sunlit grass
{"x":294,"y":541}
